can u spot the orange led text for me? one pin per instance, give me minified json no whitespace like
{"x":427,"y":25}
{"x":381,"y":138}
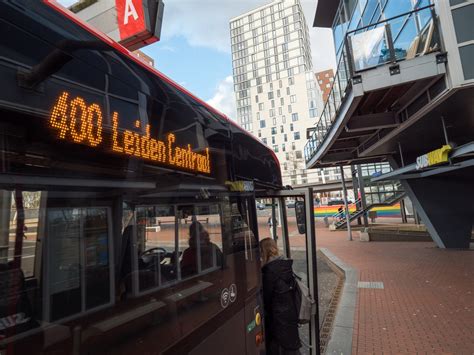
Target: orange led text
{"x":78,"y":122}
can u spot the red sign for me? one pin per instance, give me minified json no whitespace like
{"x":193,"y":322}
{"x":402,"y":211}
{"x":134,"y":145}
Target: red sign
{"x":130,"y":18}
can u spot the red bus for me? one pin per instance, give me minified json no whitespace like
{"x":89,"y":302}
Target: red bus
{"x":127,"y":205}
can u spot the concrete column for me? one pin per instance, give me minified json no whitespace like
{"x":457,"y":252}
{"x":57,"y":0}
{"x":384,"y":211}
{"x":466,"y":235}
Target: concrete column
{"x":445,"y":203}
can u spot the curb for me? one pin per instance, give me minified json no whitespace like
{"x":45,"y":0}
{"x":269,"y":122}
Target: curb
{"x":343,"y":329}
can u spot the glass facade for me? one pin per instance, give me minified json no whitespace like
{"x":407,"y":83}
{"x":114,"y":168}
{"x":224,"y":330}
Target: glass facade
{"x":370,"y":33}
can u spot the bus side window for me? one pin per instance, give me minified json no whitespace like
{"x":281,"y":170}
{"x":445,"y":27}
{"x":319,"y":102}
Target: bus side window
{"x":200,"y":239}
{"x":156,"y":246}
{"x":78,"y":262}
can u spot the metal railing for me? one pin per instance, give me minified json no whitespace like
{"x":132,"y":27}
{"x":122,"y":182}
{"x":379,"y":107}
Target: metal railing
{"x":402,"y":37}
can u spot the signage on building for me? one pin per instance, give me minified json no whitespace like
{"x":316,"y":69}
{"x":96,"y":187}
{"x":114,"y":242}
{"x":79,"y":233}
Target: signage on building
{"x":435,"y":157}
{"x":139,"y":22}
{"x":132,"y":23}
{"x":240,"y":186}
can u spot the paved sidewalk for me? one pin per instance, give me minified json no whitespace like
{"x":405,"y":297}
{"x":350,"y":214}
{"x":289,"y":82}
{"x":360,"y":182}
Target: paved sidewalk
{"x":426,"y":305}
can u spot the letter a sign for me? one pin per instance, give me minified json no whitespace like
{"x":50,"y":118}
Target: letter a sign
{"x":130,"y":18}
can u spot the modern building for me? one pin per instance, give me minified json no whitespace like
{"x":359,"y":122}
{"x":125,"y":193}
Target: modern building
{"x":403,"y":94}
{"x":324,"y":79}
{"x":276,"y":94}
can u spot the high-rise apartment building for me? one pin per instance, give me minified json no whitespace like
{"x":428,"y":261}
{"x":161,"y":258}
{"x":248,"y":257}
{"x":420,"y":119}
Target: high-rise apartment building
{"x":276,"y":94}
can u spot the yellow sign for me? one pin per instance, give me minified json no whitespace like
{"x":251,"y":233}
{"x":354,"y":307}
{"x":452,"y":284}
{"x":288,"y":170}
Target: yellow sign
{"x":434,"y":157}
{"x":78,"y":122}
{"x":240,"y":186}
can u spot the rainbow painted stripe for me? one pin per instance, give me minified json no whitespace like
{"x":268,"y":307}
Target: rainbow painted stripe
{"x":385,"y":211}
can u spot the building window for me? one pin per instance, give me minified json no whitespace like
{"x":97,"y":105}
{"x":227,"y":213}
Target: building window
{"x":261,"y":107}
{"x":288,"y":92}
{"x":298,"y":153}
{"x":289,"y":109}
{"x":274,"y":130}
{"x":282,"y":101}
{"x":291,"y":81}
{"x":280,"y":110}
{"x":293,"y":145}
{"x":262,"y":124}
{"x":282,"y":129}
{"x":270,"y":95}
{"x":291,"y":127}
{"x":296,"y":135}
{"x":285,"y":137}
{"x":274,"y":121}
{"x":272,"y":112}
{"x":278,"y":93}
{"x":275,"y":148}
{"x":264,"y":140}
{"x":256,"y":99}
{"x":293,"y":99}
{"x":294,"y":117}
{"x":283,"y":119}
{"x":259,"y":89}
{"x":273,"y":140}
{"x":283,"y":148}
{"x":258,"y":116}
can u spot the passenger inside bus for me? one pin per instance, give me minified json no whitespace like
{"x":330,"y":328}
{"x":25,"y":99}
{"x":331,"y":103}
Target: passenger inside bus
{"x":199,"y":242}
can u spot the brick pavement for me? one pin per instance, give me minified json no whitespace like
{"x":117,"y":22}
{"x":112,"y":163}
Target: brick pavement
{"x":427,"y":304}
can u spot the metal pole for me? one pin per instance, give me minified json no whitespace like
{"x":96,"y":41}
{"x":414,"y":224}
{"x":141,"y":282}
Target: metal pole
{"x":403,"y":211}
{"x":401,"y":154}
{"x":312,"y":269}
{"x":445,"y":131}
{"x":273,"y":224}
{"x":355,"y":188}
{"x":363,"y":200}
{"x":348,"y":222}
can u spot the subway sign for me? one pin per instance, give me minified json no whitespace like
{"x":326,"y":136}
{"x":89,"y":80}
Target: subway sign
{"x":435,"y":157}
{"x":76,"y":121}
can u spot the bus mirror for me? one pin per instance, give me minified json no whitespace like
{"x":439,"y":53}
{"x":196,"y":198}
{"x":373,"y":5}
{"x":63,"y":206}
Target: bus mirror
{"x":300,"y":216}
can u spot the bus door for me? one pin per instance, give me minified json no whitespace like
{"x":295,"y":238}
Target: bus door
{"x":287,"y":216}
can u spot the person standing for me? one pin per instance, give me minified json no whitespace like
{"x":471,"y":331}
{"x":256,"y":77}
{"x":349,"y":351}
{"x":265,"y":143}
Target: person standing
{"x":281,"y":315}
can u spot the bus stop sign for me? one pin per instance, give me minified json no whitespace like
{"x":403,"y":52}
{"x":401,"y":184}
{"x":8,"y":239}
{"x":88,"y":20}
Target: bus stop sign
{"x":139,"y":22}
{"x":132,"y":23}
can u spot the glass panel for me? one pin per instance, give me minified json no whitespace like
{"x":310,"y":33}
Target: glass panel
{"x":156,"y":256}
{"x":406,"y":39}
{"x":467,"y":58}
{"x":63,"y":233}
{"x":207,"y":230}
{"x":298,"y":254}
{"x":369,"y":49}
{"x":462,"y":19}
{"x":97,"y":269}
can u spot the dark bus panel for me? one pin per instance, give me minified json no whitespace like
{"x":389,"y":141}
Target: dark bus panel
{"x":127,"y":206}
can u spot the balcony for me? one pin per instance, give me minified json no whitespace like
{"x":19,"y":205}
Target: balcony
{"x":381,"y":71}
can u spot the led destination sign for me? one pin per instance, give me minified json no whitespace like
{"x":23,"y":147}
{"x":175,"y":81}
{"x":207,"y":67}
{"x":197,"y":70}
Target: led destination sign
{"x":78,"y":122}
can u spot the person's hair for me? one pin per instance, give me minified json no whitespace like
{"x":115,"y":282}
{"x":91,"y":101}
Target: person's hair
{"x":268,"y":249}
{"x":196,"y":229}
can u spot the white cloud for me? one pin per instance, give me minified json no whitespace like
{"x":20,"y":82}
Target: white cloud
{"x":223,"y":99}
{"x":205,"y":23}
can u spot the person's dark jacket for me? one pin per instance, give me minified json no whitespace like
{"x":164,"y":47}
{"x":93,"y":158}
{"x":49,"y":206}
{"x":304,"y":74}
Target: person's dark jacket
{"x":281,"y":317}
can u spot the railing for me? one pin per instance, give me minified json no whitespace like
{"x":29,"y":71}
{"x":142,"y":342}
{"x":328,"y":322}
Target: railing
{"x":339,"y":216}
{"x":402,"y":37}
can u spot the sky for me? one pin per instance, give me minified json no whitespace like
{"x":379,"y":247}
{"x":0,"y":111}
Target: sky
{"x":195,"y":50}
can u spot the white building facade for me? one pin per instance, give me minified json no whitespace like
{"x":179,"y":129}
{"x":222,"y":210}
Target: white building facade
{"x":276,"y":93}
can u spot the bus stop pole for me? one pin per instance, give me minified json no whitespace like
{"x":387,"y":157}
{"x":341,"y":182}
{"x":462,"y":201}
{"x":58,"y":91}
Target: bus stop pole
{"x":344,"y":189}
